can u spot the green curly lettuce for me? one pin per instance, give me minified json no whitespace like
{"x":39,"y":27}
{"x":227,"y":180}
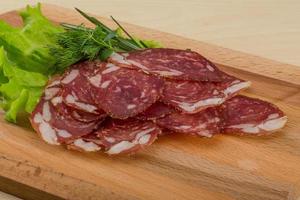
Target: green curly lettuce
{"x":26,"y":46}
{"x":25,"y":61}
{"x":22,"y":90}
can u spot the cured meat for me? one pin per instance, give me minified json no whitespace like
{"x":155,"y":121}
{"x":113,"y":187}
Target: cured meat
{"x":240,"y":115}
{"x":122,"y":107}
{"x":127,"y":136}
{"x":87,"y":117}
{"x":124,"y":93}
{"x":86,"y":143}
{"x":56,"y":125}
{"x":205,"y":123}
{"x":52,"y":88}
{"x":243,"y":114}
{"x":157,"y":110}
{"x":77,"y":87}
{"x":192,"y":97}
{"x":171,"y":63}
{"x":79,"y":115}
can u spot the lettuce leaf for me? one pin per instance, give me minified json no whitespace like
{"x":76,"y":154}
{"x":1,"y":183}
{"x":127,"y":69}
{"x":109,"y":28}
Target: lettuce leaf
{"x":16,"y":105}
{"x":26,"y":46}
{"x":22,"y":90}
{"x":25,"y":61}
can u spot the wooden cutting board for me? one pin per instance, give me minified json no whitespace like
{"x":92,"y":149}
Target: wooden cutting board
{"x":176,"y":166}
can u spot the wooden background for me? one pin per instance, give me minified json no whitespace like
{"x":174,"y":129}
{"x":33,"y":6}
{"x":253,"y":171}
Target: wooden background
{"x":274,"y":31}
{"x":268,"y":28}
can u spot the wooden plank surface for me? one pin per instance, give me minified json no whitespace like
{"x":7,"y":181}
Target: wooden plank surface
{"x":268,"y":28}
{"x":176,"y":166}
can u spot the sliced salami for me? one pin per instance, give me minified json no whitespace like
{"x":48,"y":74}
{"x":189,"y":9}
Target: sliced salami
{"x":86,"y":143}
{"x":53,"y":88}
{"x":56,"y":125}
{"x":157,"y":110}
{"x":40,"y":122}
{"x":79,"y":115}
{"x":87,"y":117}
{"x":192,"y":97}
{"x":245,"y":115}
{"x":124,"y":93}
{"x":127,"y":136}
{"x":77,"y":90}
{"x":205,"y":123}
{"x":171,"y":63}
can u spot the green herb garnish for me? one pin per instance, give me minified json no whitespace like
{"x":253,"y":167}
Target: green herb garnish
{"x":25,"y":61}
{"x":82,"y":43}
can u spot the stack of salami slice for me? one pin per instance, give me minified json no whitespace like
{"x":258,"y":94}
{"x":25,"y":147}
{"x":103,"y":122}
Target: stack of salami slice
{"x":125,"y":104}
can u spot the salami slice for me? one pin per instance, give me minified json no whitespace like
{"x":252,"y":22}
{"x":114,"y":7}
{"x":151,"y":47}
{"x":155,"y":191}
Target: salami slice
{"x":86,"y":143}
{"x":77,"y":90}
{"x":245,"y":115}
{"x":192,"y":97}
{"x":171,"y":63}
{"x":127,"y":136}
{"x":83,"y":116}
{"x":52,"y":88}
{"x":157,"y":110}
{"x":205,"y":123}
{"x":56,"y":125}
{"x":124,"y":93}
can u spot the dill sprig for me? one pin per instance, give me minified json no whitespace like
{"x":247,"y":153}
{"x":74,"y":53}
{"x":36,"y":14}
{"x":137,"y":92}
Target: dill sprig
{"x":81,"y":43}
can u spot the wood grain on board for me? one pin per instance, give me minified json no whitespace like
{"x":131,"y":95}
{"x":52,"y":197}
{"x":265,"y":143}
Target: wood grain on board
{"x":176,"y":166}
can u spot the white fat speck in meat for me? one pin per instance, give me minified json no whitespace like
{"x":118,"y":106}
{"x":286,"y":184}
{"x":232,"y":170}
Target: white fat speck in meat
{"x":46,"y":112}
{"x":86,"y":107}
{"x":118,"y":89}
{"x":56,"y":100}
{"x":139,"y":65}
{"x":118,"y":58}
{"x":54,"y":83}
{"x":215,"y":92}
{"x":105,"y":84}
{"x":131,"y":106}
{"x":171,"y":72}
{"x":144,"y":139}
{"x":120,"y":147}
{"x":192,"y":107}
{"x":86,"y":146}
{"x":71,"y":76}
{"x":180,"y":85}
{"x":63,"y":133}
{"x":200,"y":126}
{"x":38,"y":118}
{"x":70,"y":99}
{"x":273,"y":124}
{"x":273,"y":116}
{"x":141,"y":138}
{"x":48,"y":133}
{"x":247,"y":128}
{"x":110,"y":69}
{"x":144,"y":132}
{"x":50,"y":93}
{"x":210,"y":68}
{"x":217,"y":119}
{"x":95,"y":80}
{"x":205,"y":133}
{"x":184,"y":127}
{"x":236,"y":81}
{"x":237,"y":87}
{"x":268,"y":125}
{"x":110,"y":139}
